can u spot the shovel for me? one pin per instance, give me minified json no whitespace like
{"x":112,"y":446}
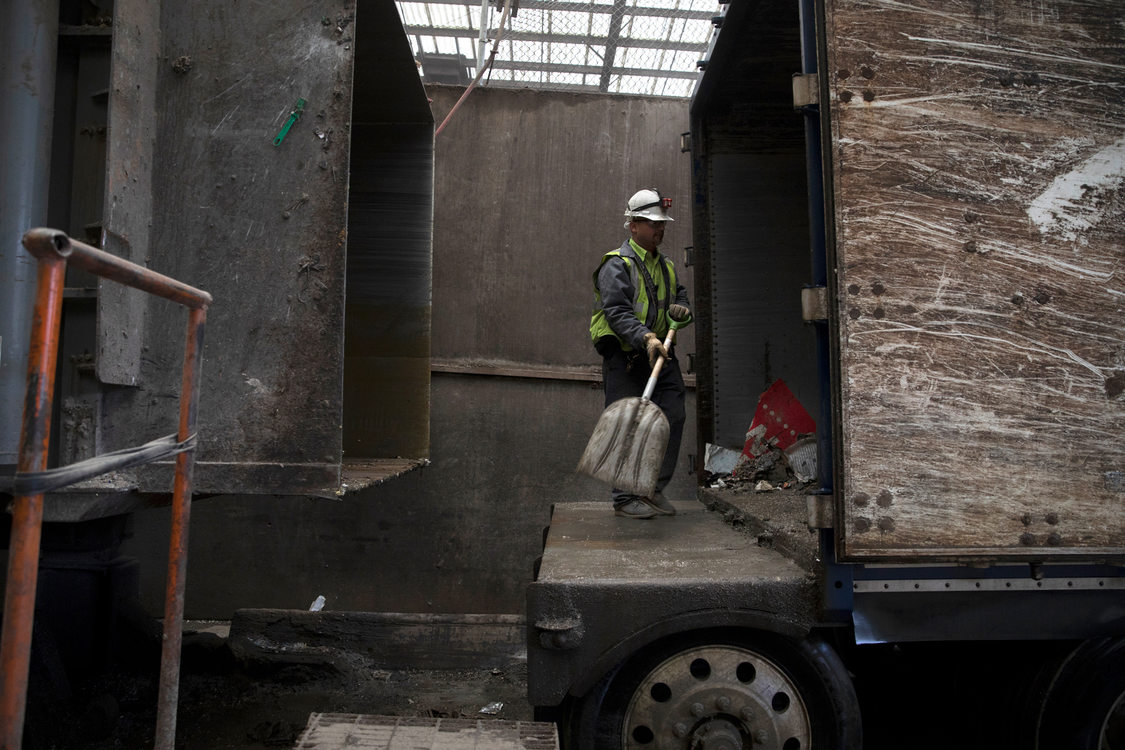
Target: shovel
{"x":629,"y":441}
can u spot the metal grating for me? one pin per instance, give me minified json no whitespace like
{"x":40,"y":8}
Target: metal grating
{"x":327,"y":731}
{"x":647,"y":47}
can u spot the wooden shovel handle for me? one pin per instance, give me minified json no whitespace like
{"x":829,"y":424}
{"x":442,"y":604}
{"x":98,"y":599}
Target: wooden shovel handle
{"x":651,"y":385}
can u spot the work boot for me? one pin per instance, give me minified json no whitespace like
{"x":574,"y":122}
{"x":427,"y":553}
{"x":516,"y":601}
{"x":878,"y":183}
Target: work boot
{"x":635,"y":508}
{"x":660,"y":504}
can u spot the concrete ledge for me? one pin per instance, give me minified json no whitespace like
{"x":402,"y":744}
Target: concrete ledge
{"x":389,"y":640}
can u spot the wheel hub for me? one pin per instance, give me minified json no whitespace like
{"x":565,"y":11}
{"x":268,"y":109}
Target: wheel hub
{"x":718,"y":734}
{"x":716,"y":698}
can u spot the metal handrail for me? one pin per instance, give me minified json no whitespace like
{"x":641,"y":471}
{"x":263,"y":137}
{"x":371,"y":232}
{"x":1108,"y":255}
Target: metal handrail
{"x":54,"y":250}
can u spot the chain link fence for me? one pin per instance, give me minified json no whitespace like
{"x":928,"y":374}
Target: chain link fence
{"x":647,"y":47}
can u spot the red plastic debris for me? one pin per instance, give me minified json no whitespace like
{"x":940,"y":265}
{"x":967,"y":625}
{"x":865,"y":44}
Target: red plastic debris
{"x":783,"y":418}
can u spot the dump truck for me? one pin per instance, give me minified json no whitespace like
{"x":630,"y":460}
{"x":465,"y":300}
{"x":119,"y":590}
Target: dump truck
{"x":911,"y":214}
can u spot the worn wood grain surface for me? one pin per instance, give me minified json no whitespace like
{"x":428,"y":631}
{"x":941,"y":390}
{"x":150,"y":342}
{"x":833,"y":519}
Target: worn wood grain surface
{"x":978,"y":159}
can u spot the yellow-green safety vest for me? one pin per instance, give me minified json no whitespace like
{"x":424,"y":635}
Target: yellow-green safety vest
{"x":628,"y":252}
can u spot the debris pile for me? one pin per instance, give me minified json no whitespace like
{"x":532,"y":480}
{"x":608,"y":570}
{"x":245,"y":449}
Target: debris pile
{"x":779,"y":451}
{"x":772,"y":469}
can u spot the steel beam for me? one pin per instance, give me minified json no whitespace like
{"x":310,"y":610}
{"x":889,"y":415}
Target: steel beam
{"x":592,"y":70}
{"x":691,"y":15}
{"x":534,"y":36}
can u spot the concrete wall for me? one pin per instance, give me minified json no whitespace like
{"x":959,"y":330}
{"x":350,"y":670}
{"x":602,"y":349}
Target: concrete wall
{"x":529,"y":190}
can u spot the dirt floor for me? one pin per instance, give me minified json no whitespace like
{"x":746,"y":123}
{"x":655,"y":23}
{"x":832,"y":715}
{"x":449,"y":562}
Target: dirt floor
{"x":228,"y":705}
{"x":971,"y":690}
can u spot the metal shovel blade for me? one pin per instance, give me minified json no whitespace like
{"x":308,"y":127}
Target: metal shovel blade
{"x":627,"y":446}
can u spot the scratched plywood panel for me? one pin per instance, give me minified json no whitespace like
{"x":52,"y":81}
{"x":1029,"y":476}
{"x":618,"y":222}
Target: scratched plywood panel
{"x":978,"y":155}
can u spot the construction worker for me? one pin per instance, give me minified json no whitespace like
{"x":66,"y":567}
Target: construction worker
{"x":637,"y":298}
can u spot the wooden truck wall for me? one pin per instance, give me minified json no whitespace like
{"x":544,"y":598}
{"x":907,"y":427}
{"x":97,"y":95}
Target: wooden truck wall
{"x":977,"y":160}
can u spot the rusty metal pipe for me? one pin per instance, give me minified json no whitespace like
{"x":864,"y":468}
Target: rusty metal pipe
{"x":168,"y":697}
{"x":44,"y":243}
{"x":27,"y":510}
{"x":54,"y":250}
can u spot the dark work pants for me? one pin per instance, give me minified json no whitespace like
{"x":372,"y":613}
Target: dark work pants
{"x":622,"y":381}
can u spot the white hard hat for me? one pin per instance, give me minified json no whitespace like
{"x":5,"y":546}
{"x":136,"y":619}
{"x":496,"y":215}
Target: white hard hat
{"x":648,"y":204}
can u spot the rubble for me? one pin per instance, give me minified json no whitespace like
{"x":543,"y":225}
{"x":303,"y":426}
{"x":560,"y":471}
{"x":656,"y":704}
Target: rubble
{"x":770,"y":471}
{"x":779,"y":451}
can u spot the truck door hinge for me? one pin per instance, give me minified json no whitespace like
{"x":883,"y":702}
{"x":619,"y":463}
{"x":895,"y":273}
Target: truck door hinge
{"x":806,"y":90}
{"x":814,"y":303}
{"x":820,"y":511}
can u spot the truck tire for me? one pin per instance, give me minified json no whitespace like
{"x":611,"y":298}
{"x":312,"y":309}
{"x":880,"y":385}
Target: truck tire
{"x":733,"y":689}
{"x":1084,"y":708}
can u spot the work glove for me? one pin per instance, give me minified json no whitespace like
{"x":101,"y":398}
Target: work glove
{"x":655,"y":348}
{"x":678,"y":313}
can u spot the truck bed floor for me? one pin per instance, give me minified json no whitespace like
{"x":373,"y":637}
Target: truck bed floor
{"x":588,"y":542}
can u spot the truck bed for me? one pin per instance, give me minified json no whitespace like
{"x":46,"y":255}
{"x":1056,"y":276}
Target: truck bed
{"x":587,"y":544}
{"x":607,"y":586}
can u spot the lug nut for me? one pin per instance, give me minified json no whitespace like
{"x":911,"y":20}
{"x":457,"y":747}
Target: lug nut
{"x":697,"y":709}
{"x":722,"y":703}
{"x":761,"y":736}
{"x":680,"y":730}
{"x":747,"y":714}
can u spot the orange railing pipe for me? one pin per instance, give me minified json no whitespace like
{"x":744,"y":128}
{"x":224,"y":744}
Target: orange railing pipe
{"x":27,"y":510}
{"x":168,"y":697}
{"x":43,"y":243}
{"x":54,"y":251}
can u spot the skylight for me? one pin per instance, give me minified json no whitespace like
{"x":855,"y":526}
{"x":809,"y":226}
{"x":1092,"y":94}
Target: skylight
{"x":648,"y":47}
